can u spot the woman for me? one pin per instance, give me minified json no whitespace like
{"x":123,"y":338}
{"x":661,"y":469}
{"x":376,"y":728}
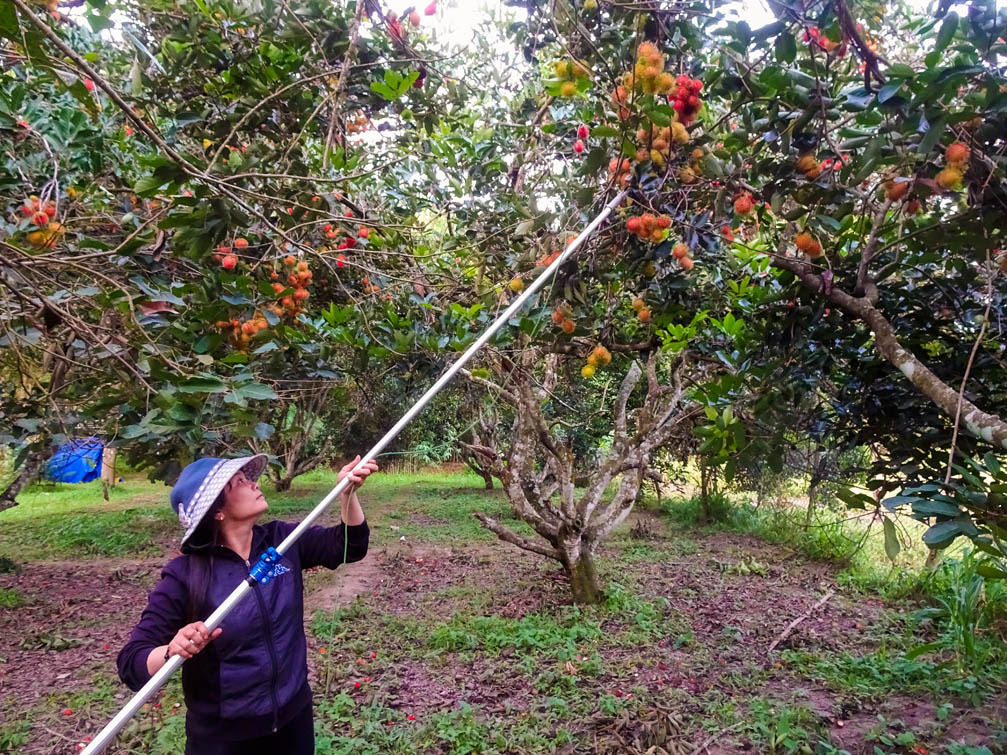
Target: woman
{"x":246,"y":684}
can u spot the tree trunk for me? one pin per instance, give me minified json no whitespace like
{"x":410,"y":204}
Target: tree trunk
{"x":472,"y":462}
{"x":584,"y":581}
{"x":704,"y":496}
{"x":108,"y":466}
{"x":818,"y":459}
{"x":29,"y":472}
{"x":933,"y":559}
{"x":283,"y":483}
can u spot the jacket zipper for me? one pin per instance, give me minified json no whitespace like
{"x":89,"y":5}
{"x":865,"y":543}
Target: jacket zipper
{"x":272,"y":655}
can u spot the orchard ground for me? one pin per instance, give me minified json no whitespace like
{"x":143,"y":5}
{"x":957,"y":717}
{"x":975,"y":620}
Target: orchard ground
{"x":444,"y":640}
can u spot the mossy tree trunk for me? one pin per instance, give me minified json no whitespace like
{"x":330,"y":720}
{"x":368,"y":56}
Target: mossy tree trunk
{"x":584,"y":582}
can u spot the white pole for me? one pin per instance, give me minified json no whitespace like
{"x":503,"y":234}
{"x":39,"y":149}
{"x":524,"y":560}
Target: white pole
{"x":115,"y":725}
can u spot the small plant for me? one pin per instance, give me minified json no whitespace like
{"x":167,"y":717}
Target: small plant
{"x":458,"y":731}
{"x":47,"y":641}
{"x":13,"y":736}
{"x":10,"y":598}
{"x":963,"y":611}
{"x":780,"y":730}
{"x":892,"y":734}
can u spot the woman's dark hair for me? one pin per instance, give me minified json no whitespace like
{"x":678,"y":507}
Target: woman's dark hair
{"x":204,"y":541}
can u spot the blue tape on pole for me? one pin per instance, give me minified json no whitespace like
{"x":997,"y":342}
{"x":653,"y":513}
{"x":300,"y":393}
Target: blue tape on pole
{"x":265,"y":568}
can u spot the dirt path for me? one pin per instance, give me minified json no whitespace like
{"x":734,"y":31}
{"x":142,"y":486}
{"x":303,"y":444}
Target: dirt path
{"x":329,"y":590}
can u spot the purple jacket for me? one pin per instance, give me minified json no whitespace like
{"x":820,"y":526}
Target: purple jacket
{"x":253,"y":678}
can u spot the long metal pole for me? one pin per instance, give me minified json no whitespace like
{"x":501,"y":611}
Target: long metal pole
{"x":115,"y":725}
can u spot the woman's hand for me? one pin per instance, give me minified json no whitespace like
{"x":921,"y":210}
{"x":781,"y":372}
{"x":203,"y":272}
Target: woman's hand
{"x":191,"y":639}
{"x":357,"y":478}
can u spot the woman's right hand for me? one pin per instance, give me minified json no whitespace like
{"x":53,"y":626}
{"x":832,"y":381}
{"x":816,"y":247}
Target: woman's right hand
{"x":191,"y":639}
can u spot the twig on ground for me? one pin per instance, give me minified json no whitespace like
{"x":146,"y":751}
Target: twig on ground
{"x":793,"y":625}
{"x":714,"y":737}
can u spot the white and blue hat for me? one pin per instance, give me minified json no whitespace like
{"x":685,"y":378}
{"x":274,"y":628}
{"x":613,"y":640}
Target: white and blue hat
{"x":200,"y":483}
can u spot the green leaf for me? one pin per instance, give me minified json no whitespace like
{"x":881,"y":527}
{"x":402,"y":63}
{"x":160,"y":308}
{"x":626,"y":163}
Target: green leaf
{"x":892,"y":545}
{"x":942,"y":534}
{"x":148,"y":185}
{"x":786,"y":47}
{"x":889,"y":90}
{"x":712,"y":166}
{"x":393,"y":78}
{"x":989,"y":570}
{"x":385,"y":91}
{"x":256,"y":391}
{"x":854,"y":499}
{"x":659,"y":118}
{"x":604,"y":131}
{"x":132,"y":431}
{"x":901,"y":70}
{"x":8,"y":21}
{"x":929,"y":140}
{"x":919,"y":650}
{"x":524,"y":228}
{"x":924,"y":507}
{"x":208,"y":384}
{"x":947,"y":31}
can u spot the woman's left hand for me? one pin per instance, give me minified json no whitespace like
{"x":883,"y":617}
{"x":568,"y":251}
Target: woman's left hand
{"x":357,"y":478}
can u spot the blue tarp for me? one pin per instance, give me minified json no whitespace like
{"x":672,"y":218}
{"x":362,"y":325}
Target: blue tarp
{"x":76,"y":461}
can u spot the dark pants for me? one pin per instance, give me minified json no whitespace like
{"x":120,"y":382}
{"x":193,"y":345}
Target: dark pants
{"x":296,"y":738}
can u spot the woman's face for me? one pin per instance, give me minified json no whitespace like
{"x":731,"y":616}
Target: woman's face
{"x":242,"y":499}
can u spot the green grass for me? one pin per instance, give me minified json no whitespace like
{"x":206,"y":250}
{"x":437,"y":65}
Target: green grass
{"x":874,"y":676}
{"x":68,"y":521}
{"x":855,"y":545}
{"x":345,"y":726}
{"x":10,"y":598}
{"x":557,"y":637}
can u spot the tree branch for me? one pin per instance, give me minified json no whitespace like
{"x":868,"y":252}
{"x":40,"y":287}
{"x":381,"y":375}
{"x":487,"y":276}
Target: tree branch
{"x":984,"y":425}
{"x":513,"y":538}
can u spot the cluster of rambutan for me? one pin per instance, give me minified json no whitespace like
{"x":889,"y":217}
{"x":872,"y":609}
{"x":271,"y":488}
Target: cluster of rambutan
{"x":561,"y":317}
{"x":683,"y":255}
{"x":809,"y":166}
{"x":641,"y":309}
{"x":649,"y":227}
{"x":572,"y":72}
{"x":648,"y":74}
{"x":808,"y":244}
{"x":241,"y":332}
{"x":655,"y":143}
{"x":649,"y":77}
{"x":744,"y":204}
{"x":599,"y":357}
{"x":619,"y":170}
{"x":957,"y":157}
{"x":42,"y":215}
{"x":814,"y":37}
{"x":686,"y":102}
{"x":357,"y":122}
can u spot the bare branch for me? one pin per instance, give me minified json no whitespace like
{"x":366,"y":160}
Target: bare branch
{"x":513,"y":538}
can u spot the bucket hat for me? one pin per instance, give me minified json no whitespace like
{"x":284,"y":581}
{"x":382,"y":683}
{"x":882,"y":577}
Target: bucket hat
{"x":200,"y":483}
